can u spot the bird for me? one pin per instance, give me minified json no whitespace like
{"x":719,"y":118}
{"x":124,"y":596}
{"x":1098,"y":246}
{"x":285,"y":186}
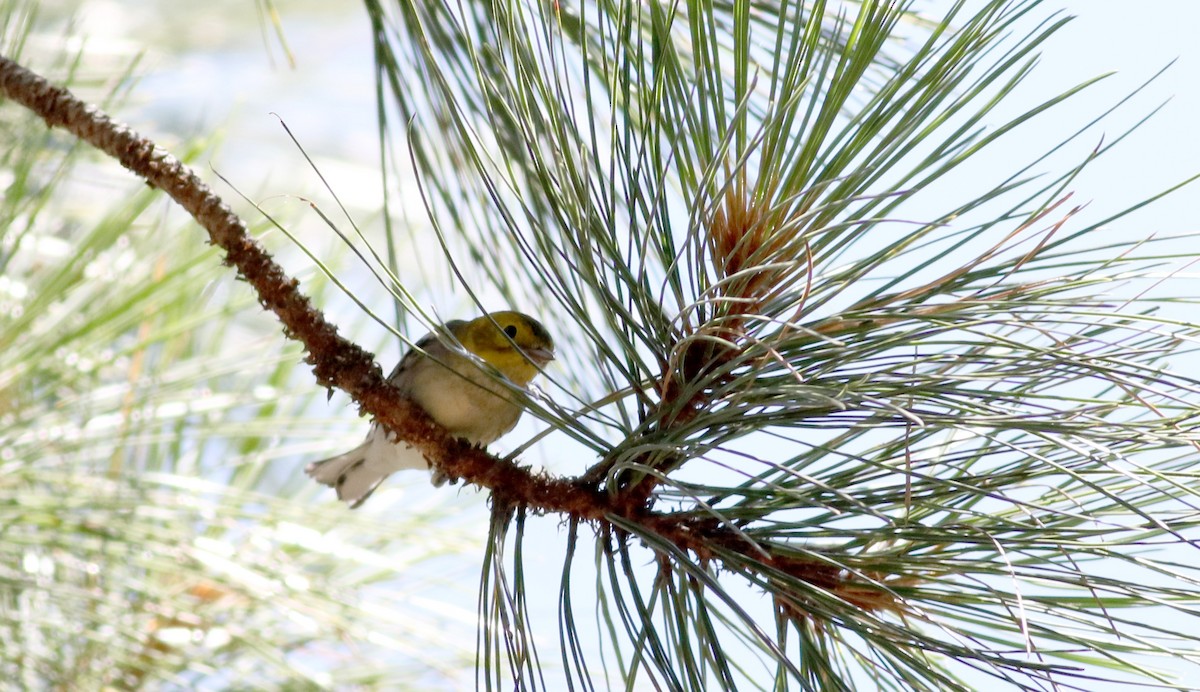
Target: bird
{"x":455,"y":390}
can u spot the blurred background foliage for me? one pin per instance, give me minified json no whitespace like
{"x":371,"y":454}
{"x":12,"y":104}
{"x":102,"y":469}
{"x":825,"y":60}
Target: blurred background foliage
{"x":156,"y":530}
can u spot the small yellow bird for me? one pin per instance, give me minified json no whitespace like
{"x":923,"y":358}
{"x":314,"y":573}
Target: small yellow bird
{"x":454,"y":389}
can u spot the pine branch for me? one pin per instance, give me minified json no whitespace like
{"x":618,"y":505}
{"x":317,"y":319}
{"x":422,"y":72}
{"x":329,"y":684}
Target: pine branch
{"x":338,"y":362}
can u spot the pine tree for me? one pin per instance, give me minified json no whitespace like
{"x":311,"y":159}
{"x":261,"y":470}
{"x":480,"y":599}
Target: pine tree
{"x":847,"y":409}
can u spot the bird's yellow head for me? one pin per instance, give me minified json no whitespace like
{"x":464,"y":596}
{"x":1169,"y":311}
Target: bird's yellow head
{"x":492,"y":338}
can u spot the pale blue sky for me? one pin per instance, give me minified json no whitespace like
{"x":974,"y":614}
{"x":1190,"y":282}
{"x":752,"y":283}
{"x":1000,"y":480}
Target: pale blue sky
{"x":1135,"y":40}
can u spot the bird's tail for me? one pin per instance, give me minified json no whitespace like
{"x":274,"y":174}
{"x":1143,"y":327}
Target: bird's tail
{"x":357,"y":473}
{"x":349,"y":474}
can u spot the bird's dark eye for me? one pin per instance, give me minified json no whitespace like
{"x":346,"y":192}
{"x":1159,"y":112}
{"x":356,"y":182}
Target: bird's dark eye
{"x":511,"y":331}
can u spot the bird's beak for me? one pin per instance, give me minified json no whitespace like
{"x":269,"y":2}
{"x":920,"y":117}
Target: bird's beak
{"x":540,"y":356}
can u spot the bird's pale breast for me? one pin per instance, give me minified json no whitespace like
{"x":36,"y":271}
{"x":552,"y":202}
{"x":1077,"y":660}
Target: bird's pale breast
{"x":468,"y":403}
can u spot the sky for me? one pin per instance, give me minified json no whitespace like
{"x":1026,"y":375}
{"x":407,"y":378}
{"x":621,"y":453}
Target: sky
{"x":1111,"y":36}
